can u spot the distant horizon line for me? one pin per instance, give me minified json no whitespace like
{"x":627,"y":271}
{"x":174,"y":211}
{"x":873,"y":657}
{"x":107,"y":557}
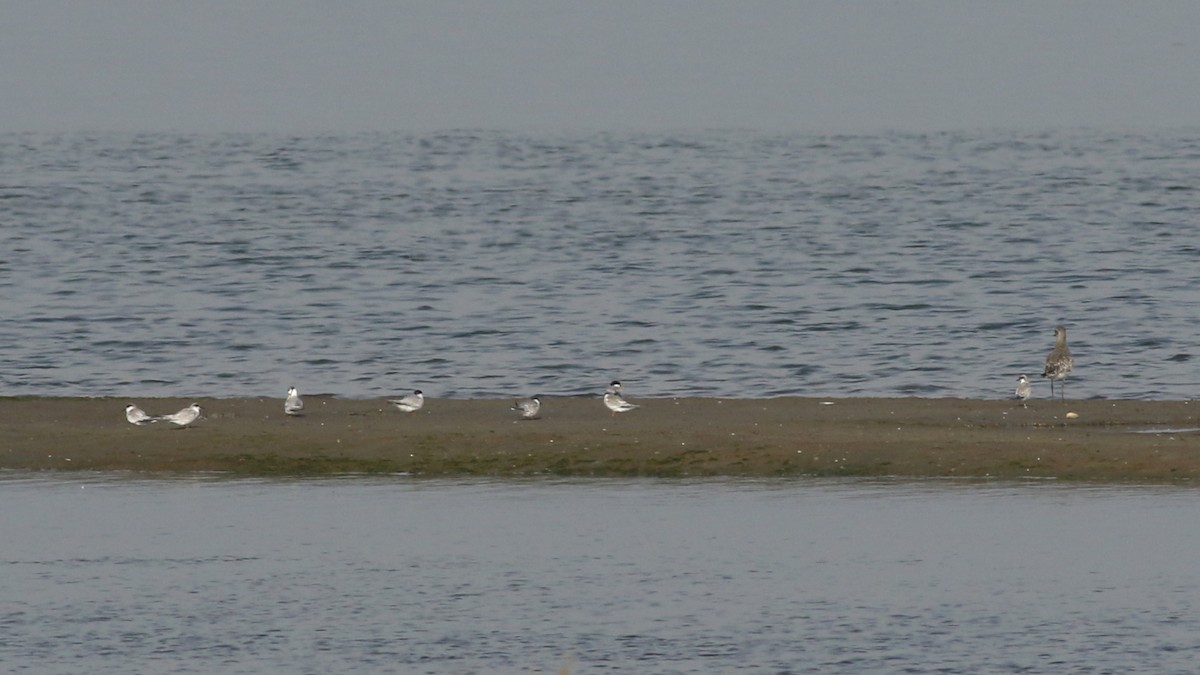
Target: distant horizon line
{"x":619,"y":130}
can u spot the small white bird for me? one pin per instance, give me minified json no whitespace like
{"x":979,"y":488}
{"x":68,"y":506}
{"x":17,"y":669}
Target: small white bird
{"x":1023,"y":390}
{"x":137,"y":416}
{"x":614,"y":401}
{"x":294,"y":405}
{"x":410,"y":403}
{"x":528,"y":407}
{"x":184,"y":417}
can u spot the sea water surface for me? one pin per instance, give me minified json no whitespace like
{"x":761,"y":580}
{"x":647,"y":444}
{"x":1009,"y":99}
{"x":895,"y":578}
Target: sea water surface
{"x":477,"y":263}
{"x":812,"y":576}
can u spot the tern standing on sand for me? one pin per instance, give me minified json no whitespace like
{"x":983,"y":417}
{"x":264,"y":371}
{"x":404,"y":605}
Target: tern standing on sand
{"x":614,"y":401}
{"x":1059,"y":363}
{"x":137,"y":416}
{"x":528,"y":407}
{"x":294,"y":405}
{"x":1023,"y":390}
{"x":184,"y":417}
{"x":409,"y":404}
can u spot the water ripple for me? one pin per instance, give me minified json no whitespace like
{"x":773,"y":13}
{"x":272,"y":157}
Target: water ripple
{"x":715,"y":263}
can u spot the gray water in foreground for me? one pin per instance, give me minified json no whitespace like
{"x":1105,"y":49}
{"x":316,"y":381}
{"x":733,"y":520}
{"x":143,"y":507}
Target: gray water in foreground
{"x":811,"y":576}
{"x":481,"y":264}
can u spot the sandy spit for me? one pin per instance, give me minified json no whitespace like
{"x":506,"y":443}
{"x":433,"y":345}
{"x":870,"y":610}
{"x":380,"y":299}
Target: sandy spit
{"x":1108,"y":440}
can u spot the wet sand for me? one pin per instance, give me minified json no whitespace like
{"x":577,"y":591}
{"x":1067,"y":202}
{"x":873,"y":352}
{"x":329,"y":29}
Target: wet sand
{"x":1109,"y":441}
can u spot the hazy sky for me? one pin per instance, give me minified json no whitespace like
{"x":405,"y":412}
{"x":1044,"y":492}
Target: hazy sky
{"x":551,"y":65}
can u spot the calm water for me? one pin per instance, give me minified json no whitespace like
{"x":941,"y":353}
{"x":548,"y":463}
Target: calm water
{"x":105,"y":576}
{"x":482,"y":264}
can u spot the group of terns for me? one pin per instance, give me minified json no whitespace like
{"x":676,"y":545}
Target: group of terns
{"x":293,"y":405}
{"x":1058,"y":365}
{"x":527,"y":408}
{"x":183,"y":418}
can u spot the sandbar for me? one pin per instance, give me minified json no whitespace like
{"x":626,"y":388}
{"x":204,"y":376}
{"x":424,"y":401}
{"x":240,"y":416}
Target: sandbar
{"x":1103,"y":440}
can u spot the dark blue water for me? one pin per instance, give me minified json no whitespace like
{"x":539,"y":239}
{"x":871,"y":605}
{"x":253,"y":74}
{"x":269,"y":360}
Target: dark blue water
{"x":492,"y":264}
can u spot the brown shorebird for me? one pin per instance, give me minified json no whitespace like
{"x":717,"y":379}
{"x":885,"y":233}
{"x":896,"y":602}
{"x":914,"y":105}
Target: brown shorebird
{"x":1059,"y":363}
